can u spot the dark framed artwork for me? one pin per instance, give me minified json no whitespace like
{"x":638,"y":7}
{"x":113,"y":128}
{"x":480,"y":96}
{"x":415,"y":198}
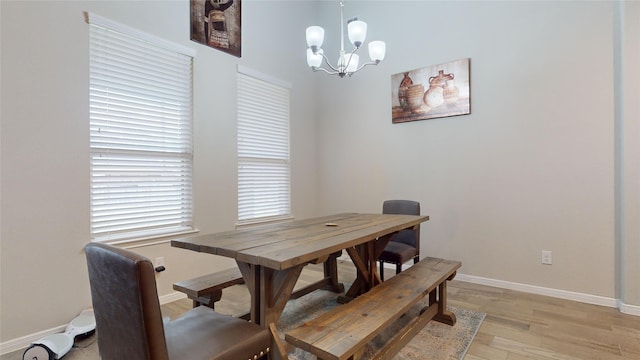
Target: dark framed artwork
{"x":216,"y":23}
{"x":431,"y":92}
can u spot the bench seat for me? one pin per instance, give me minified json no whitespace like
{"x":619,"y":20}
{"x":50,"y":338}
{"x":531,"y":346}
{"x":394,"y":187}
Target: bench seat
{"x":343,"y":332}
{"x":207,"y":289}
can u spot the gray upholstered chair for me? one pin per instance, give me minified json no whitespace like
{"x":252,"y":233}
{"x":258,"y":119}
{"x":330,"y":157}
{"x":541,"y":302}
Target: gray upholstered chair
{"x":405,"y":244}
{"x":129,"y":323}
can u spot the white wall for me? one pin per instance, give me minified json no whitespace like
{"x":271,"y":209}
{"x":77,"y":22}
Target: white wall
{"x":532,"y":167}
{"x":45,"y":140}
{"x":628,"y":116}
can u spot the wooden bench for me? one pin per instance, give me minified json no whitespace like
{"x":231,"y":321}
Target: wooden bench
{"x":343,"y":332}
{"x":207,"y":289}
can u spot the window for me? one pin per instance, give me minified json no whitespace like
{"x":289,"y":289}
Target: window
{"x":263,"y":148}
{"x":140,"y":91}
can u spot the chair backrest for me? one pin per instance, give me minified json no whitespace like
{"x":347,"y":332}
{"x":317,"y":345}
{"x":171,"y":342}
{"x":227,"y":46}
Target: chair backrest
{"x":404,"y":207}
{"x":125,"y":302}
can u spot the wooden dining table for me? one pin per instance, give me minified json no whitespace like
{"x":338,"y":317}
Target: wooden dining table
{"x":271,"y":257}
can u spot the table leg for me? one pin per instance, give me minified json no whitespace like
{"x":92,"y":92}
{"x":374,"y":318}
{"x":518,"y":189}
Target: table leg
{"x":276,"y":287}
{"x":251,"y":275}
{"x":331,"y":274}
{"x":329,"y":281}
{"x":374,"y":277}
{"x":270,"y":290}
{"x":364,"y":259}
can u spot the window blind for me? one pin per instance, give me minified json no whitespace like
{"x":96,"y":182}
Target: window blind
{"x":263,"y":150}
{"x":140,"y":106}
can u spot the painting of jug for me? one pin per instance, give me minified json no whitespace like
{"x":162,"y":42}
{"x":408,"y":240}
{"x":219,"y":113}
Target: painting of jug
{"x":431,"y":92}
{"x":402,"y":91}
{"x":414,"y":97}
{"x":451,"y":93}
{"x":434,"y":96}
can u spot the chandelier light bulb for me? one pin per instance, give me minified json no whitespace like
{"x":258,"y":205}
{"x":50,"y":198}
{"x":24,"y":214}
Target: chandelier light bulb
{"x":315,"y":37}
{"x":377,"y":50}
{"x":357,"y":32}
{"x":348,"y":62}
{"x":314,"y":60}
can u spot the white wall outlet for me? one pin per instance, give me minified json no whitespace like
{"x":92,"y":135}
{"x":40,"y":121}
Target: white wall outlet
{"x":159,"y":261}
{"x":546,"y":257}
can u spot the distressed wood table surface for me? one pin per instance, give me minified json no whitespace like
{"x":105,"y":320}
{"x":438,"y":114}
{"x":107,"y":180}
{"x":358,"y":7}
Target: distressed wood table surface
{"x":271,"y":257}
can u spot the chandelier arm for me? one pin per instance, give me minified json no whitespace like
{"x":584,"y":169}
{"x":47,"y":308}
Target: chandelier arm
{"x":365,"y":64}
{"x":343,"y":62}
{"x":326,"y":61}
{"x":325,"y":70}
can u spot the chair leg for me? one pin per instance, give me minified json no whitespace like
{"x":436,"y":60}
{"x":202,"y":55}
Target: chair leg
{"x":398,"y":268}
{"x":416,"y":259}
{"x":381,"y":271}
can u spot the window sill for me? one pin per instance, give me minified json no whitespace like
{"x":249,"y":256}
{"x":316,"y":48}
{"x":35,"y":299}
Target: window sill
{"x":143,"y":241}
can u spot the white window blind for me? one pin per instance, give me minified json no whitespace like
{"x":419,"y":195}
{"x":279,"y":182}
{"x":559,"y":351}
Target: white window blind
{"x":140,"y":136}
{"x":263,"y":150}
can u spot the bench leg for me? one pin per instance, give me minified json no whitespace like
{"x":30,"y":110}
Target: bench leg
{"x":208,"y":299}
{"x":278,"y":349}
{"x":444,"y":316}
{"x":214,"y":297}
{"x":358,"y":355}
{"x":432,"y":297}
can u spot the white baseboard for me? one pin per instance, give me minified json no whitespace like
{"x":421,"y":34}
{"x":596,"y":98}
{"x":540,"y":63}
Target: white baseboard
{"x":628,"y":309}
{"x":165,"y":299}
{"x":561,"y":294}
{"x":532,"y":289}
{"x":24,"y":341}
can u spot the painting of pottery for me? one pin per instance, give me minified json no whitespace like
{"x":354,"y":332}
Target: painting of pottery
{"x":431,"y":92}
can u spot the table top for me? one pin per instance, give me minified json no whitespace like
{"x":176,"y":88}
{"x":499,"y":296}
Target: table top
{"x":286,"y":244}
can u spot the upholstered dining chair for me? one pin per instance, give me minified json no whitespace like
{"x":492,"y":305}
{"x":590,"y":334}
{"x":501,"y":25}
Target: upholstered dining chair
{"x":129,"y":322}
{"x":405,"y":244}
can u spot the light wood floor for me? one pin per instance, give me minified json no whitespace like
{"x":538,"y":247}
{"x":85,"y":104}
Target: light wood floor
{"x":517,"y":326}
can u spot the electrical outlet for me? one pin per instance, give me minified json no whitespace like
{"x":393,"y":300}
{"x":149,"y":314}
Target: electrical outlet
{"x":159,"y":261}
{"x":546,"y":257}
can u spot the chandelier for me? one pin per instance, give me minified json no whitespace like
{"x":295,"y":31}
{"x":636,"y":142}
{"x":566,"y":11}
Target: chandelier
{"x":347,"y":63}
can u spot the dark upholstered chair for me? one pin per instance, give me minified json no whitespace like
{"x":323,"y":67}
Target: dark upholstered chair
{"x":129,"y":323}
{"x":405,"y":244}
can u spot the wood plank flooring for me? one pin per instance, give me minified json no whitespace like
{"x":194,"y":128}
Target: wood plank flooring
{"x":525,"y":326}
{"x":517,"y":326}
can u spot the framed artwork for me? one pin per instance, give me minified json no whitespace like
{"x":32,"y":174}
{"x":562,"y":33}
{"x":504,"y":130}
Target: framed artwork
{"x":216,"y":23}
{"x":431,"y":92}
